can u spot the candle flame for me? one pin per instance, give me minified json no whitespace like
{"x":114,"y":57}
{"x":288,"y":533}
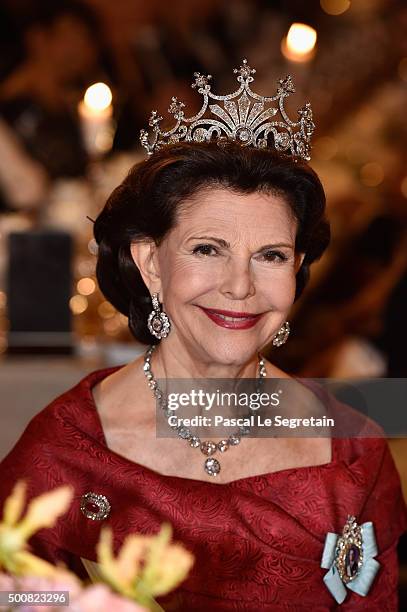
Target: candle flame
{"x":98,"y":97}
{"x":301,"y":39}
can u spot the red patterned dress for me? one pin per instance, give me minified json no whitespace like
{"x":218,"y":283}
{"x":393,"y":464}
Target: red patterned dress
{"x":257,"y":541}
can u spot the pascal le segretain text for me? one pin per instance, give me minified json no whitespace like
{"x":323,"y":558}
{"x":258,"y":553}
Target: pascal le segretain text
{"x":251,"y":421}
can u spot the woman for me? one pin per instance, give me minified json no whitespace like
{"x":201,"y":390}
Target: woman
{"x":205,"y":246}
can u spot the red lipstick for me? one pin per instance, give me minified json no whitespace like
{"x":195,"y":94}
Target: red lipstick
{"x":234,"y":320}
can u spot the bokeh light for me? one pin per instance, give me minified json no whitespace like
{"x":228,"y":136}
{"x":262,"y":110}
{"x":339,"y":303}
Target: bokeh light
{"x":98,"y":97}
{"x":301,"y":38}
{"x":86,"y":286}
{"x":86,"y":267}
{"x":335,"y":7}
{"x":112,"y":326}
{"x":93,"y":247}
{"x":78,"y":304}
{"x":325,"y":148}
{"x":106,"y":310}
{"x":371,"y":174}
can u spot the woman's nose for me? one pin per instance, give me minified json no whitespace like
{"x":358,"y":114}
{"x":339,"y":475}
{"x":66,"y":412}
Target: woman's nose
{"x":237,"y":279}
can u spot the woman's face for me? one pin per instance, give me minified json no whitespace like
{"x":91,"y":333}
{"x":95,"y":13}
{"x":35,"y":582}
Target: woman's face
{"x":228,"y":252}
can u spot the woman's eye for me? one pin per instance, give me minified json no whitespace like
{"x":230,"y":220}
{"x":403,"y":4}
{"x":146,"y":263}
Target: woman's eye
{"x":274,"y":256}
{"x":204,"y":249}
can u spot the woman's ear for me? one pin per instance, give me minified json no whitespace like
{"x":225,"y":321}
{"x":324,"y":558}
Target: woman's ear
{"x":145,"y":256}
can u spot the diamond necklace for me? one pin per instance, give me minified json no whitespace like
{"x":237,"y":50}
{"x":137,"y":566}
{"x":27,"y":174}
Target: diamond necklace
{"x":207,"y":447}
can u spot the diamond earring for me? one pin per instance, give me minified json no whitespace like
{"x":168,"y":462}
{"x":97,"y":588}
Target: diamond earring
{"x":158,"y":322}
{"x":282,"y":335}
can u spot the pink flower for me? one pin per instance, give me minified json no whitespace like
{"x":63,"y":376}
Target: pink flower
{"x":6,"y":582}
{"x":94,"y":598}
{"x":64,"y":582}
{"x":99,"y":598}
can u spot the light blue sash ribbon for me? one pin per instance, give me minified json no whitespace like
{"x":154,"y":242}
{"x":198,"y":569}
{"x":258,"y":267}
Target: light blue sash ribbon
{"x":363,"y":581}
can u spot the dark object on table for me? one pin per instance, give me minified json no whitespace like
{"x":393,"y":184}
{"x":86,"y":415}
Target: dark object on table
{"x":39,"y":289}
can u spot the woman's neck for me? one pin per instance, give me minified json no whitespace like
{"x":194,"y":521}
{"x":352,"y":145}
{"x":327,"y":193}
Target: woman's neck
{"x":171,"y":361}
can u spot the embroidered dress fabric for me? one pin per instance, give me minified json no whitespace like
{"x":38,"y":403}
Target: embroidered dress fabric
{"x":257,"y":541}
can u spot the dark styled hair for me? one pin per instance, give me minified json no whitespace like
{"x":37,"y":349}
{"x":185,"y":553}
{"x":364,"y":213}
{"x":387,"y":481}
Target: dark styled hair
{"x":145,"y":205}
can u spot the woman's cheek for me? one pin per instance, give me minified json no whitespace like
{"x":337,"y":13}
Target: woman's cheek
{"x":189,"y":278}
{"x":277,"y":287}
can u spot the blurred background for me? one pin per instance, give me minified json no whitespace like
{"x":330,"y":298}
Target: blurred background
{"x":77,"y":82}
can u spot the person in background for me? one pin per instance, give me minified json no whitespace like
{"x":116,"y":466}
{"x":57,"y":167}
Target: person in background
{"x":23,"y":181}
{"x":38,"y":99}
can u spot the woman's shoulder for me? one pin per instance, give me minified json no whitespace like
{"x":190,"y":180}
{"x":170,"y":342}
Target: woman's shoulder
{"x":75,"y":400}
{"x":65,"y":433}
{"x":366,"y":466}
{"x":357,"y":439}
{"x":327,"y":397}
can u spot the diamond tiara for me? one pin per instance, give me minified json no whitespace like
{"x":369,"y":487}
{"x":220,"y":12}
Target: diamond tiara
{"x":244,"y":117}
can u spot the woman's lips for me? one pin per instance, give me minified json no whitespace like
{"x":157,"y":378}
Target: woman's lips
{"x":231,"y":319}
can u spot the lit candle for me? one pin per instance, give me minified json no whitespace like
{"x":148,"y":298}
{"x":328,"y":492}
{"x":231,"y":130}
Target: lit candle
{"x":96,"y":112}
{"x":299,"y":44}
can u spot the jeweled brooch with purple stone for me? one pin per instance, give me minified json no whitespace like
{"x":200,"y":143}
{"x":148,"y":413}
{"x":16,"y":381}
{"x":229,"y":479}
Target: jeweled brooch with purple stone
{"x":348,"y":552}
{"x":349,"y":558}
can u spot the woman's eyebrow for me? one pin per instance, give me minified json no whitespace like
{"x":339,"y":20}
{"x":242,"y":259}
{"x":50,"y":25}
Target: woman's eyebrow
{"x":226,"y":245}
{"x":220,"y":241}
